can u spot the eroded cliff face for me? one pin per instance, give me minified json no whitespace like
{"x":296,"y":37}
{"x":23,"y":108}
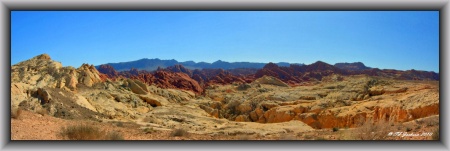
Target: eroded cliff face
{"x":44,"y":72}
{"x":43,"y":85}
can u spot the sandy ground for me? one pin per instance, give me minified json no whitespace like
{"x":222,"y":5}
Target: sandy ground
{"x":33,"y":126}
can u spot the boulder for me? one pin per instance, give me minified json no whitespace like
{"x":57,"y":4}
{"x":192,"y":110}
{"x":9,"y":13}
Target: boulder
{"x":256,"y":114}
{"x":19,"y":93}
{"x":268,"y":105}
{"x":244,"y":108}
{"x":142,"y":109}
{"x":153,"y":100}
{"x":88,"y":75}
{"x":82,"y":101}
{"x":136,"y":88}
{"x":242,"y":118}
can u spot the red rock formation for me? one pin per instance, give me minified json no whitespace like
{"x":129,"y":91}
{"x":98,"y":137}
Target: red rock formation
{"x":108,"y":70}
{"x":162,"y":78}
{"x":180,"y":68}
{"x":144,"y":77}
{"x":103,"y":77}
{"x":293,"y":75}
{"x":217,"y":76}
{"x":134,"y":71}
{"x":286,"y":74}
{"x":176,"y":80}
{"x":199,"y":79}
{"x":225,"y":78}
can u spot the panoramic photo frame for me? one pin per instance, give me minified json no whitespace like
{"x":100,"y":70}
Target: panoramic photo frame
{"x":312,"y":7}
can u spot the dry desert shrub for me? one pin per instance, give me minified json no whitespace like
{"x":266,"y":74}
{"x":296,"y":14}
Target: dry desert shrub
{"x":81,"y":132}
{"x":119,"y":124}
{"x":87,"y":132}
{"x":114,"y":136}
{"x":148,"y":130}
{"x":431,"y":122}
{"x":371,"y":130}
{"x":335,"y":129}
{"x":435,"y":135}
{"x":15,"y":113}
{"x":179,"y":132}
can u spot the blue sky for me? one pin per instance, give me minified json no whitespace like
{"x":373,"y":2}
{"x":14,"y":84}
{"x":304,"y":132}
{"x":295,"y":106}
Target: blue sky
{"x":400,"y":40}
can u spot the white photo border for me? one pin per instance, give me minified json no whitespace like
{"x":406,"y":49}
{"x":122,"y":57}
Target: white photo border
{"x":6,"y":6}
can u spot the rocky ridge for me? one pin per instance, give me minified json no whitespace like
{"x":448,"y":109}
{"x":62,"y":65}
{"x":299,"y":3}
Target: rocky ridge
{"x":197,"y":80}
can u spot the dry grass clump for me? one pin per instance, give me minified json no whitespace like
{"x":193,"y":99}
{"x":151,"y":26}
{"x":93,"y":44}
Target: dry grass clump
{"x":87,"y":132}
{"x":179,"y":132}
{"x":15,"y":113}
{"x":119,"y":124}
{"x":114,"y":136}
{"x":431,"y":122}
{"x":148,"y":130}
{"x":371,"y":130}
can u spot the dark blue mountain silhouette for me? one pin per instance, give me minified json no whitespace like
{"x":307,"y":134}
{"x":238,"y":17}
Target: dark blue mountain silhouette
{"x":153,"y":64}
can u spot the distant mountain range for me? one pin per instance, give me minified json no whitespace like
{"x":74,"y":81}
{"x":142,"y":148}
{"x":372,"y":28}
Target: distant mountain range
{"x":247,"y":68}
{"x":352,"y":66}
{"x":153,"y":64}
